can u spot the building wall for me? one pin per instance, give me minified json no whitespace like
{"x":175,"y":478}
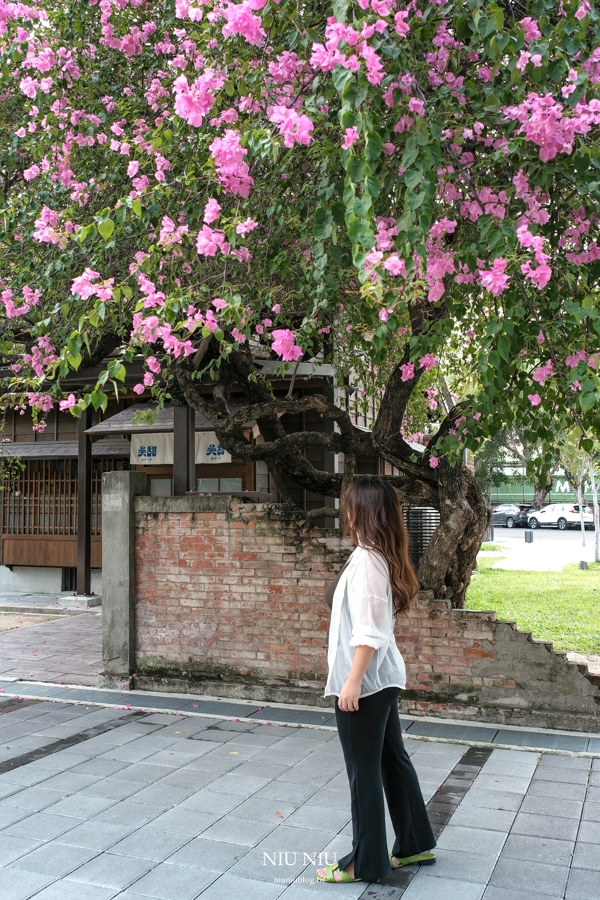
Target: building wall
{"x":229,"y":601}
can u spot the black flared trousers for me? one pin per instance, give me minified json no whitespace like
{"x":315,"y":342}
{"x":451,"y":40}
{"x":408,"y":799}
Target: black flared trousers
{"x":377,"y":761}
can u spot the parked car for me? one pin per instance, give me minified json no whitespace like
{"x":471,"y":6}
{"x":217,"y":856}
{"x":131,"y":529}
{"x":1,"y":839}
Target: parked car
{"x":505,"y":514}
{"x":522,"y":517}
{"x":561,"y":516}
{"x":512,"y":515}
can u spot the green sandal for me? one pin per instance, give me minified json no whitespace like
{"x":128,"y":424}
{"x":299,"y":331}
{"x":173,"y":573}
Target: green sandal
{"x":329,"y":877}
{"x":425,"y":859}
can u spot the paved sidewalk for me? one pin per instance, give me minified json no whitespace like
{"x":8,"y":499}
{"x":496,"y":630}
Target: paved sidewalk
{"x":67,"y":650}
{"x":100,"y":803}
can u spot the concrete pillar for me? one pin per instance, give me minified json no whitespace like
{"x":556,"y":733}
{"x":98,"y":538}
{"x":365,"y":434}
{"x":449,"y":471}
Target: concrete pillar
{"x":184,"y":449}
{"x":84,"y":505}
{"x":118,"y":597}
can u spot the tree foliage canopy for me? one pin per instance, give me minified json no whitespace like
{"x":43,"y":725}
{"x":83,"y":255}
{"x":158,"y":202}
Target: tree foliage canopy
{"x":379,"y":184}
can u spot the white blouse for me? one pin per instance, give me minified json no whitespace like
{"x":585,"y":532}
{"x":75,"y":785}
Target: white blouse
{"x":362,"y":613}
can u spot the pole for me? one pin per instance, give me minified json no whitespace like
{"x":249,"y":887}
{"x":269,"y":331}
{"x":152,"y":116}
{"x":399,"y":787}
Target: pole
{"x":183,"y":448}
{"x":84,"y":505}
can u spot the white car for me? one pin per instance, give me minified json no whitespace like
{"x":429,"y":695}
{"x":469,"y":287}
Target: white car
{"x":561,"y":516}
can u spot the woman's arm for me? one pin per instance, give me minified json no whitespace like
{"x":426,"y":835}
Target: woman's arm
{"x":348,"y":699}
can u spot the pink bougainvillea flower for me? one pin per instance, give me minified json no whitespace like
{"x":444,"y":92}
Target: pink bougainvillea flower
{"x":296,"y":129}
{"x":495,"y":279}
{"x":534,"y":399}
{"x":434,"y":462}
{"x":351,"y":136}
{"x":284,"y":345}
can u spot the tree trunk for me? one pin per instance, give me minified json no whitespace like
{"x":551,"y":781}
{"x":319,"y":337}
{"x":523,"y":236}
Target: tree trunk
{"x":596,"y":513}
{"x":448,"y":561}
{"x":540,"y":492}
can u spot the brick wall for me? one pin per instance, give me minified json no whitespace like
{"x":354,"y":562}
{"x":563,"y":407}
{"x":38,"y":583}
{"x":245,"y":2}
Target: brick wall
{"x":229,"y":602}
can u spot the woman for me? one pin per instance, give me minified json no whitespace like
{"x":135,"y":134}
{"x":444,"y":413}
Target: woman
{"x":366,"y":674}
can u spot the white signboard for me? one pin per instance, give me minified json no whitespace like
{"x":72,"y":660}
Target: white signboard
{"x":157,"y":449}
{"x":151,"y":449}
{"x":208,"y":449}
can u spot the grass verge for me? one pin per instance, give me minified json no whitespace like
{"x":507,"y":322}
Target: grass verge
{"x":562,"y":607}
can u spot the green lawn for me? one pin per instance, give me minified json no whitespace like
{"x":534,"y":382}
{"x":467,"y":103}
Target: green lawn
{"x":562,"y":607}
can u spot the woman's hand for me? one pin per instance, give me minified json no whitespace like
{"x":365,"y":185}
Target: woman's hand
{"x":348,"y":699}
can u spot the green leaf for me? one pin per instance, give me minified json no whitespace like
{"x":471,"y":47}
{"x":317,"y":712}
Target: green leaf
{"x":356,"y":169}
{"x":106,"y":228}
{"x":340,"y":9}
{"x":374,"y":146}
{"x":409,"y":156}
{"x":136,"y":206}
{"x":413,"y":178}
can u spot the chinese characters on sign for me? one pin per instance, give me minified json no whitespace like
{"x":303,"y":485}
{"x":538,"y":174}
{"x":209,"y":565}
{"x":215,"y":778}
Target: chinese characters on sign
{"x":146,"y":451}
{"x":157,"y":449}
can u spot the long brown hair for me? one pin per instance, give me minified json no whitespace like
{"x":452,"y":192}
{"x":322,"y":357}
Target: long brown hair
{"x":373,"y":519}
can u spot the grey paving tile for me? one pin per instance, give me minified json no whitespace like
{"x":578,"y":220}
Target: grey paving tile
{"x":555,"y":827}
{"x":587,"y":856}
{"x":525,"y":875}
{"x":112,"y":788}
{"x":95,"y":835}
{"x":234,"y":830}
{"x":42,"y":826}
{"x":508,"y":767}
{"x":287,"y":792}
{"x":218,"y":764}
{"x":557,"y":789}
{"x":589,"y":832}
{"x":454,"y":732}
{"x":481,"y":817}
{"x":558,"y":775}
{"x":260,"y":865}
{"x":261,"y":809}
{"x":292,"y":839}
{"x":594,"y":745}
{"x":331,"y":797}
{"x":477,"y":840}
{"x":100,"y":767}
{"x":492,"y":799}
{"x":25,"y":776}
{"x":109,"y":870}
{"x":216,"y":856}
{"x":184,"y":821}
{"x":542,"y":740}
{"x":549,"y":806}
{"x":318,"y":778}
{"x":80,"y":806}
{"x":162,"y":794}
{"x":550,"y":761}
{"x":173,"y":883}
{"x":11,"y":814}
{"x":13,"y":847}
{"x":214,"y":736}
{"x":33,"y":798}
{"x":174,"y":759}
{"x":228,"y":886}
{"x":243,"y":785}
{"x":24,"y":884}
{"x":127,"y":813}
{"x":70,"y":782}
{"x":208,"y":801}
{"x":515,"y":784}
{"x":70,"y":890}
{"x":593,"y":794}
{"x":150,"y":843}
{"x":141,"y":772}
{"x":542,"y":850}
{"x":498,"y":893}
{"x":322,"y":818}
{"x":591,"y":812}
{"x":461,"y":865}
{"x":434,"y":888}
{"x":582,"y":885}
{"x":54,"y":859}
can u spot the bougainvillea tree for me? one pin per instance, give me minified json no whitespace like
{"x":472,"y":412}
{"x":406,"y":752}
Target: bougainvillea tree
{"x":375,"y":183}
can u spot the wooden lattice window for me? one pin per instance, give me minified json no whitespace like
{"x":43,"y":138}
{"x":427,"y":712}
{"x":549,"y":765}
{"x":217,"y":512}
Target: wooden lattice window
{"x":44,"y":499}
